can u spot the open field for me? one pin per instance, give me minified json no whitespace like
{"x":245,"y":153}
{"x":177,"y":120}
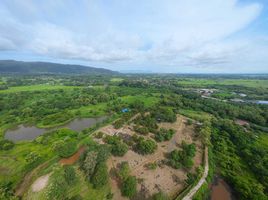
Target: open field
{"x":36,"y":88}
{"x":239,"y":82}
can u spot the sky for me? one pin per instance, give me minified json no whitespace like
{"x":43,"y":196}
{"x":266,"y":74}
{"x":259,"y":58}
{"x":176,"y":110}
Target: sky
{"x":166,"y":36}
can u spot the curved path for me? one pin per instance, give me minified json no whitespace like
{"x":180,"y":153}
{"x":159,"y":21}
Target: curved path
{"x":192,"y":192}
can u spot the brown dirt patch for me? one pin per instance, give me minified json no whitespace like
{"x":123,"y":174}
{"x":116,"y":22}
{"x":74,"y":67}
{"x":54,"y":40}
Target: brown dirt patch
{"x":72,"y":159}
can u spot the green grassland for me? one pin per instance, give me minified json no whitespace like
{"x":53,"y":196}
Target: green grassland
{"x":36,"y":88}
{"x":238,"y":82}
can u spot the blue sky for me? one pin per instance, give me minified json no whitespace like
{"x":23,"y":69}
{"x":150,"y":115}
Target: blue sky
{"x":182,"y":36}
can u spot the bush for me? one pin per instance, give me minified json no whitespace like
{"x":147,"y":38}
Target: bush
{"x":146,"y":146}
{"x":100,"y":176}
{"x":69,"y":174}
{"x":164,"y":114}
{"x":182,"y":158}
{"x":151,"y":166}
{"x":141,"y":129}
{"x":89,"y":163}
{"x":164,"y":135}
{"x":6,"y":144}
{"x":129,"y":186}
{"x":64,"y":149}
{"x":160,"y":196}
{"x":118,"y":148}
{"x":103,"y":153}
{"x":124,"y":170}
{"x":58,"y":186}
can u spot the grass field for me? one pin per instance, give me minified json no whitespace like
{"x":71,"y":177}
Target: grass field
{"x":199,"y":116}
{"x":239,"y":82}
{"x":147,"y":100}
{"x":36,"y":88}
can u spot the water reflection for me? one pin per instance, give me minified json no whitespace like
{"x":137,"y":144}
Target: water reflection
{"x":24,"y":132}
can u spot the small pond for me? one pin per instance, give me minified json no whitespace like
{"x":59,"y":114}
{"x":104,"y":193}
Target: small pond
{"x":220,"y":190}
{"x":24,"y":132}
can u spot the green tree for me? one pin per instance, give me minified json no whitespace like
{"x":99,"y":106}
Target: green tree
{"x":129,"y":186}
{"x":100,"y":176}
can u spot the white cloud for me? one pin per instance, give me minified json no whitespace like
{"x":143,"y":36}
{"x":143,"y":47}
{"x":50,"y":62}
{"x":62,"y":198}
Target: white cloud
{"x":179,"y":32}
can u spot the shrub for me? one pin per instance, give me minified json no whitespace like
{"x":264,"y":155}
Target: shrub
{"x":118,"y":148}
{"x":124,"y":170}
{"x":89,"y":163}
{"x":141,"y":129}
{"x":160,"y":196}
{"x":103,"y":153}
{"x":164,"y":114}
{"x":100,"y":176}
{"x":146,"y":146}
{"x":182,"y":158}
{"x":129,"y":186}
{"x":69,"y":175}
{"x":151,"y":166}
{"x":164,"y":135}
{"x":6,"y":144}
{"x":64,"y":149}
{"x":58,"y":186}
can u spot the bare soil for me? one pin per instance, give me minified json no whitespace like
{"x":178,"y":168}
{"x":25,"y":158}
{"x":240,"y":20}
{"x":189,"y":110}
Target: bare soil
{"x":164,"y":178}
{"x":72,"y":159}
{"x":40,"y":183}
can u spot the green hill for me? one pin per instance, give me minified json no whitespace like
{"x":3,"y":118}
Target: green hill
{"x":20,"y":67}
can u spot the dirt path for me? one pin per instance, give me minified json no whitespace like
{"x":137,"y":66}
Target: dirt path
{"x":40,"y":183}
{"x":192,"y":192}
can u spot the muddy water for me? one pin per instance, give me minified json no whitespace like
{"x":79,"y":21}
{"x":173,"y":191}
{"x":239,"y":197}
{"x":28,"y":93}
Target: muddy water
{"x":221,"y":190}
{"x":23,"y":132}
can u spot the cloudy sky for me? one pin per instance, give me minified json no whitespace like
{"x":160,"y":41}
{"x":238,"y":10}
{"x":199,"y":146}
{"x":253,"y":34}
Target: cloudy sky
{"x":185,"y":36}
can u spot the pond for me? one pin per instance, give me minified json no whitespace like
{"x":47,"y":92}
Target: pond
{"x":220,"y":190}
{"x":24,"y":132}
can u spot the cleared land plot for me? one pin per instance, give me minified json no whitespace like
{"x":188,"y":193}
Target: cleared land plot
{"x":163,"y":177}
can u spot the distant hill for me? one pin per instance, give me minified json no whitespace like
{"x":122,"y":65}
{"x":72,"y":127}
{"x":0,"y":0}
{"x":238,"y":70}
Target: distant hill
{"x":20,"y":67}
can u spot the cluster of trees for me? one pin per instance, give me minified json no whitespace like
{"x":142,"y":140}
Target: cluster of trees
{"x":144,"y":146}
{"x":182,"y":158}
{"x":67,"y":145}
{"x":164,"y":134}
{"x":164,"y":114}
{"x":237,"y":156}
{"x":144,"y":123}
{"x":49,"y":106}
{"x":120,"y":122}
{"x":61,"y":178}
{"x":128,"y":184}
{"x":118,"y":147}
{"x":93,"y":163}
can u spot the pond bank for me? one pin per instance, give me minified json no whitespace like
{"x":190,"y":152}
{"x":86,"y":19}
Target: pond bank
{"x":24,"y":132}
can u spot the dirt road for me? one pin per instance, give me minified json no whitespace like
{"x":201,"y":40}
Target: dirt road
{"x":192,"y":192}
